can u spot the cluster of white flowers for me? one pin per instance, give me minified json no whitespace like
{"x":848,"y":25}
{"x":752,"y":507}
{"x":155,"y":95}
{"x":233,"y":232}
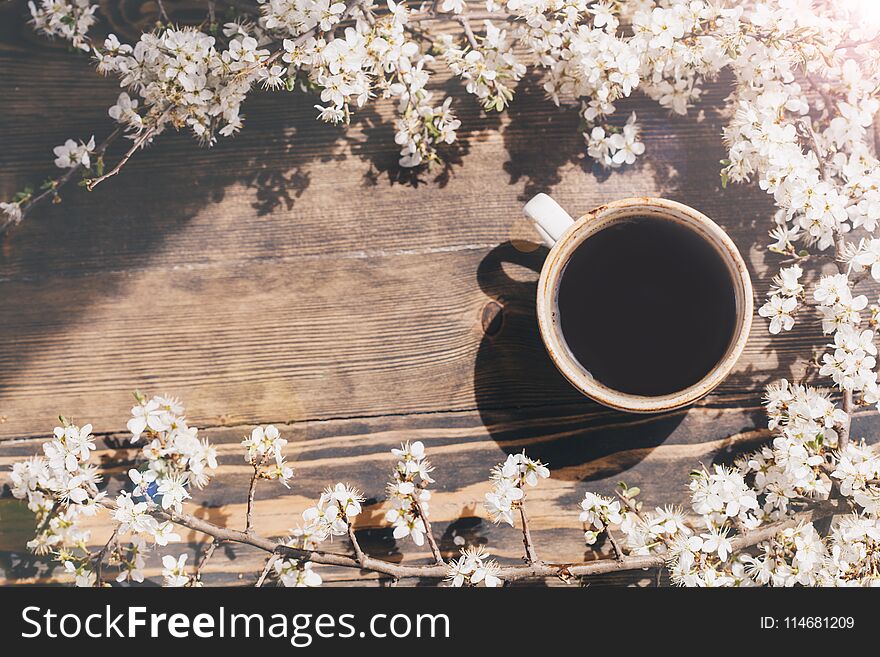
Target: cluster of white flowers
{"x":472,"y":568}
{"x":175,"y":458}
{"x":702,"y":560}
{"x":805,"y":458}
{"x":337,"y":507}
{"x":375,"y":56}
{"x":859,"y":473}
{"x":508,"y":480}
{"x":765,"y":485}
{"x":853,"y":557}
{"x":652,"y":532}
{"x":613,"y":149}
{"x":331,"y":516}
{"x":794,"y":556}
{"x":598,"y":513}
{"x":722,"y":494}
{"x":349,"y":52}
{"x":183,"y":79}
{"x":67,"y":19}
{"x":805,"y":420}
{"x":490,"y":68}
{"x":783,"y":299}
{"x":174,"y":461}
{"x":725,"y":503}
{"x":408,"y":493}
{"x":61,"y":487}
{"x":298,"y":16}
{"x":265,"y":444}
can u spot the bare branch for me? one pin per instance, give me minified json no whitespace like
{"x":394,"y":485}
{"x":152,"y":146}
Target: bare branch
{"x":209,"y":552}
{"x":508,"y":573}
{"x":99,"y":558}
{"x":141,"y":140}
{"x":162,"y":13}
{"x":429,"y":534}
{"x":531,"y":557}
{"x":465,"y":23}
{"x":359,"y":553}
{"x":52,"y":187}
{"x":252,"y":490}
{"x":618,"y":552}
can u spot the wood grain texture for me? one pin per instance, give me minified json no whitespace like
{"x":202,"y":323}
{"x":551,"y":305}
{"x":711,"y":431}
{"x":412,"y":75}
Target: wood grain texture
{"x":296,"y":275}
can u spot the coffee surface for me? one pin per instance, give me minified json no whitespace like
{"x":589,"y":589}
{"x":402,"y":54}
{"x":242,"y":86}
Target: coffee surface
{"x":647,"y":306}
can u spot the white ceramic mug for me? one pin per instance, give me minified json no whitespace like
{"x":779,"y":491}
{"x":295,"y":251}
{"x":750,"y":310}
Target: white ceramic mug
{"x":563,"y":235}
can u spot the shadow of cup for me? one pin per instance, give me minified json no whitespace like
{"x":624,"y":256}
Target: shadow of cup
{"x":523,"y":400}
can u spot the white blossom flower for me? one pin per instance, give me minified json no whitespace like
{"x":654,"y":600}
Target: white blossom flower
{"x":779,"y":309}
{"x":408,"y":493}
{"x":71,"y":154}
{"x":297,"y":574}
{"x":473,"y":568}
{"x":508,"y":480}
{"x":174,"y":571}
{"x":13,"y":213}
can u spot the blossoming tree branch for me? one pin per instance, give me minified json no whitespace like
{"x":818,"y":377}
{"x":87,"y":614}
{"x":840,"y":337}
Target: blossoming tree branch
{"x":802,"y":510}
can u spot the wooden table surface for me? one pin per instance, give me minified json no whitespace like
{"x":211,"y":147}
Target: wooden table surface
{"x":295,"y":275}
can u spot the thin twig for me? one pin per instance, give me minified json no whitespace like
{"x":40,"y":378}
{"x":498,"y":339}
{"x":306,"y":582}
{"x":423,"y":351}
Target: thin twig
{"x":209,"y":552}
{"x":252,"y":490}
{"x":141,"y":140}
{"x":427,"y":16}
{"x":99,"y":558}
{"x":146,"y":135}
{"x":468,"y":30}
{"x":429,"y":534}
{"x":162,"y":12}
{"x":531,"y":557}
{"x":266,"y":570}
{"x":358,"y":552}
{"x":843,"y":434}
{"x":840,"y":250}
{"x":52,"y":187}
{"x":618,"y":552}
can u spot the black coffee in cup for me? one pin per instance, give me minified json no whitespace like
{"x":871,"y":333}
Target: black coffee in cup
{"x":647,"y":306}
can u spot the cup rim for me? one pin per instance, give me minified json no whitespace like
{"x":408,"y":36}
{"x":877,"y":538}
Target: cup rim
{"x":589,"y":224}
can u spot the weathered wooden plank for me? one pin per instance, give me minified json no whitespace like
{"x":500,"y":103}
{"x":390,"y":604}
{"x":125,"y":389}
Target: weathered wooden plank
{"x":152,"y":233}
{"x":319,"y":183}
{"x":312,"y":339}
{"x":584,"y":455}
{"x":288,"y":186}
{"x":295,"y":275}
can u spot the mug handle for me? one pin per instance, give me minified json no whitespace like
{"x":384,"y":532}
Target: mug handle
{"x":550,"y":219}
